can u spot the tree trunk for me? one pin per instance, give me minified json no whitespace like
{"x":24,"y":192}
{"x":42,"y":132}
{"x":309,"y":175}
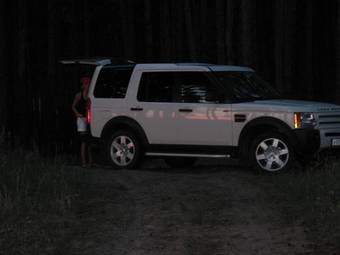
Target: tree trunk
{"x":51,"y":39}
{"x":229,"y":31}
{"x":165,"y":31}
{"x":46,"y":99}
{"x":177,"y":8}
{"x":190,"y":30}
{"x":86,"y":28}
{"x":289,"y":60}
{"x":279,"y":43}
{"x":220,"y":31}
{"x":22,"y":99}
{"x":148,"y":29}
{"x":3,"y":67}
{"x":248,"y":31}
{"x":127,"y":14}
{"x":305,"y":54}
{"x":337,"y":93}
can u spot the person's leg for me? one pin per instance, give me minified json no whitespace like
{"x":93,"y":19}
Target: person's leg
{"x":83,"y":153}
{"x":89,"y":151}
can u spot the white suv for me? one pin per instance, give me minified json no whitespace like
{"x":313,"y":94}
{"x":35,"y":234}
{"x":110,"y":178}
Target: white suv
{"x":184,"y":111}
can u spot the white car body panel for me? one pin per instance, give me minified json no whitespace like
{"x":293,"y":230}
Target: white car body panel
{"x":207,"y":124}
{"x":158,"y":117}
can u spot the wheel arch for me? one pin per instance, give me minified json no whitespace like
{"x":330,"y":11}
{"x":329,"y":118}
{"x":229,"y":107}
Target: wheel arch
{"x":259,"y":126}
{"x":124,"y":122}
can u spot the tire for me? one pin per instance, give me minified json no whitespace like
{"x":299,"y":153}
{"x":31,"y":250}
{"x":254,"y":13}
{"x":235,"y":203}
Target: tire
{"x":180,"y":162}
{"x":123,"y":150}
{"x":271,"y":152}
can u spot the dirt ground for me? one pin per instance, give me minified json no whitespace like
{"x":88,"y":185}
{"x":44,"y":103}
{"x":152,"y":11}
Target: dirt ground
{"x":212,"y":208}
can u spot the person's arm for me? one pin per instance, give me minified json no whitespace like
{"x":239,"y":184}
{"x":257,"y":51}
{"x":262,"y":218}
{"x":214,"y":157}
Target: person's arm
{"x":74,"y":104}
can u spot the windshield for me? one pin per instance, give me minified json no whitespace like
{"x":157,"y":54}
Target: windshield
{"x":246,"y":86}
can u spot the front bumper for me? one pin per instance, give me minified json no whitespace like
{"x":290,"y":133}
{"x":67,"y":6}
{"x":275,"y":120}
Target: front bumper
{"x":310,"y":141}
{"x":329,"y":138}
{"x":306,"y":141}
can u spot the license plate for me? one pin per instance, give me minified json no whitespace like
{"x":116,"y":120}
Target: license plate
{"x":336,"y":142}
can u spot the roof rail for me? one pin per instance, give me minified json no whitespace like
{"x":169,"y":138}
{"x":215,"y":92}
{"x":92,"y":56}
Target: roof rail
{"x":193,"y":64}
{"x":173,"y":60}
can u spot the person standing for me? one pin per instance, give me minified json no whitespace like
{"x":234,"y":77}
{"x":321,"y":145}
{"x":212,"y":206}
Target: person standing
{"x":79,"y":108}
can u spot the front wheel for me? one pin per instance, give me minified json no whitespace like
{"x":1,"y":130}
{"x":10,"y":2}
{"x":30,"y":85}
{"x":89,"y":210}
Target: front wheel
{"x":123,"y":149}
{"x":271,"y":152}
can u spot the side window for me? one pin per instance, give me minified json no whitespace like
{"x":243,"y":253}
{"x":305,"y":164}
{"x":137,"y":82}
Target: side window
{"x":156,"y":87}
{"x":112,"y":83}
{"x":196,"y":87}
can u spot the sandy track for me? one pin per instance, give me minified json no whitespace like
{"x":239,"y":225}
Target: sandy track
{"x":204,"y":210}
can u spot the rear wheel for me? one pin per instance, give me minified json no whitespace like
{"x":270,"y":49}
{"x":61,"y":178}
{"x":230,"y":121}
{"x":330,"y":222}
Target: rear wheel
{"x":123,"y":149}
{"x":271,"y":152}
{"x":180,"y":162}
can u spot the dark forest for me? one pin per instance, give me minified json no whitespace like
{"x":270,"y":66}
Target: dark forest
{"x":54,"y":201}
{"x":295,"y":45}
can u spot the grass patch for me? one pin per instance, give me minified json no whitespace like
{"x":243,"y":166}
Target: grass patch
{"x":313,"y":197}
{"x":36,"y":203}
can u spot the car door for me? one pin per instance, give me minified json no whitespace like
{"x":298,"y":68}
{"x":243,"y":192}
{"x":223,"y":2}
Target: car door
{"x":153,"y":107}
{"x":203,"y":116}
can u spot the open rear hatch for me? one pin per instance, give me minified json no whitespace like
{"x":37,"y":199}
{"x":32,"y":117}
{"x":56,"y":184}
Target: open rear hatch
{"x":87,"y":61}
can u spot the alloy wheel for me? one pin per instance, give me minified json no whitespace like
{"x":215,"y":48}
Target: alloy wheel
{"x":122,"y":150}
{"x":272,"y":154}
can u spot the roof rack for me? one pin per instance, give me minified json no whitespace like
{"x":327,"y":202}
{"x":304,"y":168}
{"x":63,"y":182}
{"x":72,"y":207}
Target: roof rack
{"x":174,"y":60}
{"x":193,"y":64}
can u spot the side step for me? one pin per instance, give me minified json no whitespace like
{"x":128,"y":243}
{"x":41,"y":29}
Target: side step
{"x":186,"y":155}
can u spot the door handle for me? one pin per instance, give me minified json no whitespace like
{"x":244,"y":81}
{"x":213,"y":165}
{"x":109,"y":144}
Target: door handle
{"x":185,"y":110}
{"x":137,"y":109}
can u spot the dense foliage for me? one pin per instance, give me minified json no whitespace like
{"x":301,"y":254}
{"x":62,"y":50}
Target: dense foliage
{"x":292,"y":44}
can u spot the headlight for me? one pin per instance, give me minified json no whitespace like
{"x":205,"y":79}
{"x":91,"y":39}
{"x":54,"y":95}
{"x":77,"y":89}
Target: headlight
{"x":304,"y":120}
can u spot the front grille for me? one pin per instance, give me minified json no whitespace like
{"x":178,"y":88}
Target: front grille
{"x":330,"y":120}
{"x":332,"y":134}
{"x":329,"y":116}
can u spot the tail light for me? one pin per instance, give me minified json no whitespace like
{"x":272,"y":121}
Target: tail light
{"x":88,"y":111}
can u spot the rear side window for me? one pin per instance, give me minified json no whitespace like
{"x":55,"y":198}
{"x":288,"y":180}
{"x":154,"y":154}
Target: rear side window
{"x":156,"y":87}
{"x":112,"y":83}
